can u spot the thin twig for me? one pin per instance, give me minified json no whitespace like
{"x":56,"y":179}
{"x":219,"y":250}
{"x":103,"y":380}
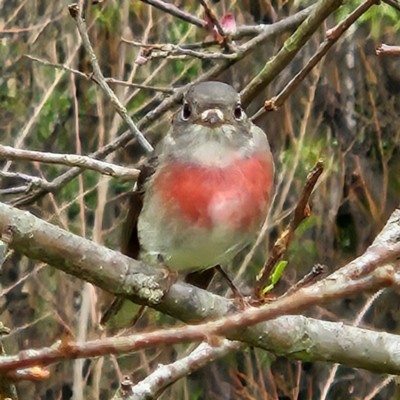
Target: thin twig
{"x":316,"y":273}
{"x":301,"y":212}
{"x":18,"y":175}
{"x":385,"y":49}
{"x":140,"y":86}
{"x":331,"y":378}
{"x":225,"y":40}
{"x":167,"y":46}
{"x":393,"y":3}
{"x":88,"y":76}
{"x":213,"y":19}
{"x":176,"y":12}
{"x":13,"y":190}
{"x":173,"y":51}
{"x":71,"y":160}
{"x":58,"y":66}
{"x":98,"y":77}
{"x":332,"y":36}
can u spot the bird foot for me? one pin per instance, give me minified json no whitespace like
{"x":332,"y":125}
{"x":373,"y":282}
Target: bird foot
{"x":237,"y":295}
{"x":169,"y":276}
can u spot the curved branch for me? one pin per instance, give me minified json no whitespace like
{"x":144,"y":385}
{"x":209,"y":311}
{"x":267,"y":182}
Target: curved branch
{"x":296,"y":337}
{"x":136,"y":281}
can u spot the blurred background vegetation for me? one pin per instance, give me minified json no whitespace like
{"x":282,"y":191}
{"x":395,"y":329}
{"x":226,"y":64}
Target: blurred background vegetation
{"x":345,"y":112}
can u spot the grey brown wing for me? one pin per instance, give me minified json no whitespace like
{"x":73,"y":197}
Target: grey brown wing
{"x":130,"y":244}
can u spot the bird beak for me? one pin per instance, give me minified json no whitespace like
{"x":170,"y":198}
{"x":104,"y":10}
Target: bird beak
{"x":212,"y":116}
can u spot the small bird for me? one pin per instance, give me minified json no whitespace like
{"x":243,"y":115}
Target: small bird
{"x":204,"y":197}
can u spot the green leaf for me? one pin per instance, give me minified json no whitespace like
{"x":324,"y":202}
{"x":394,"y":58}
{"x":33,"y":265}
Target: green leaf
{"x":275,"y":276}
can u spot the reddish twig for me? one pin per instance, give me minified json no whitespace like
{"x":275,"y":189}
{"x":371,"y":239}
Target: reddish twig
{"x":338,"y":286}
{"x":385,"y":49}
{"x":301,"y":212}
{"x":221,"y":36}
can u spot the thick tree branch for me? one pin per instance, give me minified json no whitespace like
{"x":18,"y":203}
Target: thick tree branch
{"x":122,"y":276}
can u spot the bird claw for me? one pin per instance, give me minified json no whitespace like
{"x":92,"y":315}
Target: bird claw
{"x":169,"y":276}
{"x":243,"y":302}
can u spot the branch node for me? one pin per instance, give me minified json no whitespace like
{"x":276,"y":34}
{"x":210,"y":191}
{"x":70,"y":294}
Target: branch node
{"x":126,"y":385}
{"x":269,"y":105}
{"x":74,"y":10}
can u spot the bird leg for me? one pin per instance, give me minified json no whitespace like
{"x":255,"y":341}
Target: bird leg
{"x":236,"y":292}
{"x":169,"y":276}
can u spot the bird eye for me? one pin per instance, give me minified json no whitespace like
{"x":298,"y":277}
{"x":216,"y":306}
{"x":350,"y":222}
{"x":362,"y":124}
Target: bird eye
{"x":186,"y":111}
{"x":238,"y":112}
